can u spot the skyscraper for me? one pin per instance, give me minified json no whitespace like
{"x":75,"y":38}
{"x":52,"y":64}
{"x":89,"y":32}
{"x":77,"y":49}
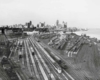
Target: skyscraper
{"x":29,"y":24}
{"x":38,"y":25}
{"x":65,"y":25}
{"x":57,"y":22}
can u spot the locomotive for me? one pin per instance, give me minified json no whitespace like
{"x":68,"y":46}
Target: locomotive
{"x":57,"y":59}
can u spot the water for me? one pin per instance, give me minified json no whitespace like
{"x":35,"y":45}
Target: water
{"x":91,"y":32}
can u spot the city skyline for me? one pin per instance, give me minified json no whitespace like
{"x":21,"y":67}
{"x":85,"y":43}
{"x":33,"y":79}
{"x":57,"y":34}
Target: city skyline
{"x":77,"y":13}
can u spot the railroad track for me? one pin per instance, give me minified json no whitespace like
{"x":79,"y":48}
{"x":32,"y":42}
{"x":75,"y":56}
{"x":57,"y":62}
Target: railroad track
{"x":10,"y":65}
{"x":27,"y":59}
{"x":33,"y":63}
{"x":43,"y":62}
{"x":40,"y":65}
{"x":66,"y":73}
{"x":13,"y":49}
{"x":63,"y":75}
{"x":49,"y":65}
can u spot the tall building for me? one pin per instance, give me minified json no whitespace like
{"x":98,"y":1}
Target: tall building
{"x":38,"y":25}
{"x":65,"y":25}
{"x":57,"y":22}
{"x":29,"y":24}
{"x":42,"y":24}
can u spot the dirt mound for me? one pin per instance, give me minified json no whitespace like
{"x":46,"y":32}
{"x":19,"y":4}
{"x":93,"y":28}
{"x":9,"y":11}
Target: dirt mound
{"x":89,"y":57}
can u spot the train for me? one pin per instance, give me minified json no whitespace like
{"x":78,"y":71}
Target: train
{"x":20,"y":43}
{"x":20,"y":54}
{"x":53,"y":62}
{"x":58,"y":60}
{"x":61,"y":63}
{"x":57,"y":67}
{"x":55,"y":57}
{"x":37,"y":39}
{"x":32,"y":50}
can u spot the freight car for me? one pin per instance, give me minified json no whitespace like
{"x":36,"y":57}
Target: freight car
{"x":32,"y":50}
{"x":20,"y":54}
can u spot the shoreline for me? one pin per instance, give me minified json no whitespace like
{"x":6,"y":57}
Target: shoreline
{"x":88,"y":34}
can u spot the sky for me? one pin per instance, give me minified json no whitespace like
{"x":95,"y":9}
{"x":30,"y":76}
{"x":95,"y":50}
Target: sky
{"x":77,"y":13}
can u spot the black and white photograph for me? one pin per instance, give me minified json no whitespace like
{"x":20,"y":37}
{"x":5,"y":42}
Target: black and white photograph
{"x":49,"y":39}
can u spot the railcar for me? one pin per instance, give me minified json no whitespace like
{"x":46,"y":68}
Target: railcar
{"x":56,"y":58}
{"x":32,"y":50}
{"x":20,"y":54}
{"x":59,"y":61}
{"x":57,"y":67}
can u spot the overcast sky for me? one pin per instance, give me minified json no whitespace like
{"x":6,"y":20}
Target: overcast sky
{"x":77,"y":13}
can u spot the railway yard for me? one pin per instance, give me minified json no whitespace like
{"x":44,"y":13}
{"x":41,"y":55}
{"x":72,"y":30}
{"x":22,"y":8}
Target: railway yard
{"x":31,"y":61}
{"x":32,"y":58}
{"x":49,"y":40}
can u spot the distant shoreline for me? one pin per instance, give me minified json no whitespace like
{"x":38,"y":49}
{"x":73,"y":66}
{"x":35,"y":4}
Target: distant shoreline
{"x":94,"y":33}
